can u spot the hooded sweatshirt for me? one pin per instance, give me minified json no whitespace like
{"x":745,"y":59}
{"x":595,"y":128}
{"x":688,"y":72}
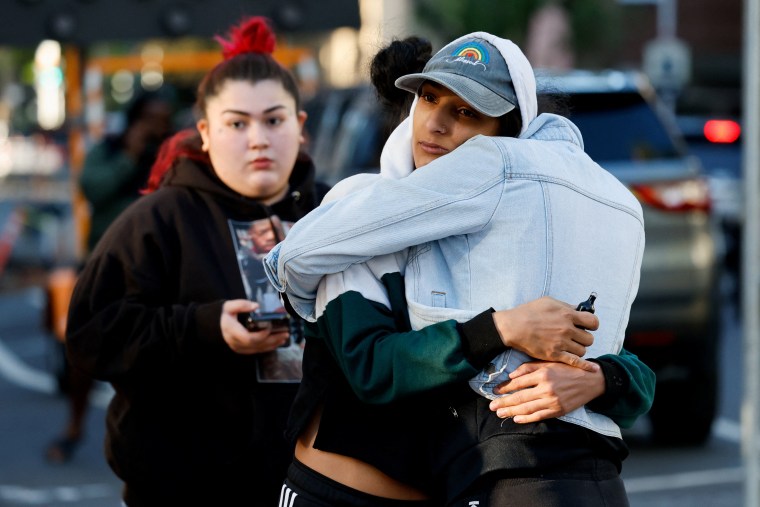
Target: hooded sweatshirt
{"x":189,"y":420}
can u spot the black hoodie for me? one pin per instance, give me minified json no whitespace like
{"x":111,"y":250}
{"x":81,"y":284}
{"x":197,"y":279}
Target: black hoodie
{"x":189,"y":422}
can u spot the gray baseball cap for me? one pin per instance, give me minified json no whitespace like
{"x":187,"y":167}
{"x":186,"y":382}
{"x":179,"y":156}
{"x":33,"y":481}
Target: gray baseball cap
{"x":473,"y":69}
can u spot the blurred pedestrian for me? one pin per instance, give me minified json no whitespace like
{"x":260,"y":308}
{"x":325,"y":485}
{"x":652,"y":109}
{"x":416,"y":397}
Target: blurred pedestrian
{"x":480,"y":202}
{"x":117,"y":168}
{"x":114,"y":172}
{"x":156,"y":309}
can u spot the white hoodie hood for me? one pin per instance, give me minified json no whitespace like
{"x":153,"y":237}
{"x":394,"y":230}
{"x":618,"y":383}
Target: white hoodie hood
{"x":396,"y":160}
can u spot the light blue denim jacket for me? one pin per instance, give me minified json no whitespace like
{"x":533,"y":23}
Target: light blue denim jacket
{"x":496,"y":223}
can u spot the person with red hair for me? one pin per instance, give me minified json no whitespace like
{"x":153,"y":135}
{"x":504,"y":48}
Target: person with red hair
{"x":156,"y":310}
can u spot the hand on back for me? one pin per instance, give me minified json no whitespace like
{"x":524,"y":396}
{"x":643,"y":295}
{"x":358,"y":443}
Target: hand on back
{"x":549,"y":330}
{"x":542,"y":390}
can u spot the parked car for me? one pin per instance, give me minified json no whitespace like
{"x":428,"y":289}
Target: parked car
{"x":346,"y":132}
{"x":675,"y":320}
{"x":717,"y":142}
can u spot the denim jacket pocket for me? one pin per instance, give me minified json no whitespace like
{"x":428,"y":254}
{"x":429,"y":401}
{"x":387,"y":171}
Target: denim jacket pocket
{"x":438,"y":299}
{"x":424,"y":315}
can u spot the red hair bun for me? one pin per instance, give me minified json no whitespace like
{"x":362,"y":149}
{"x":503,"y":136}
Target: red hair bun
{"x":252,"y":35}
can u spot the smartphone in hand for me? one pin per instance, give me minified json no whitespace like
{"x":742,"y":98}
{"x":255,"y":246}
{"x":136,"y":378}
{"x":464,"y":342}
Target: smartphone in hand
{"x":252,"y":320}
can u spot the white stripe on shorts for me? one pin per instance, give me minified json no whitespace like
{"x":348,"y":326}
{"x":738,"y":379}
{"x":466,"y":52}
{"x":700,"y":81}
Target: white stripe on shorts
{"x":287,"y":496}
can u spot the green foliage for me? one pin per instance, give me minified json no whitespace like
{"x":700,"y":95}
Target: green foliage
{"x":452,"y":18}
{"x":595,"y":23}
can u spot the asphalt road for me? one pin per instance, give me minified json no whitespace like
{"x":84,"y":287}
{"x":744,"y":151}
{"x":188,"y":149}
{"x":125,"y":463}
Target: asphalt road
{"x":32,"y":414}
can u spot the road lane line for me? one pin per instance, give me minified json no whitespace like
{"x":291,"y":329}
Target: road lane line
{"x":727,"y":429}
{"x":22,"y":495}
{"x":684,"y":480}
{"x":19,"y":373}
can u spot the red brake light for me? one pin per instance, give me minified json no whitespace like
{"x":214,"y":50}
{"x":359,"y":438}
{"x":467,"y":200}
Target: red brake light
{"x":722,"y":131}
{"x":659,"y":338}
{"x":687,"y":195}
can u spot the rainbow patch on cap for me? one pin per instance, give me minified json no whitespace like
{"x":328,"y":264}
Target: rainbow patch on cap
{"x":472,"y":51}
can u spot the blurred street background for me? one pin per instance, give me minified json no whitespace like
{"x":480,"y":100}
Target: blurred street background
{"x":661,"y":80}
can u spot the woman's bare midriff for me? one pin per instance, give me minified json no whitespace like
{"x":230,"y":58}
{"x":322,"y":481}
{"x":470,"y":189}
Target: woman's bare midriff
{"x":349,"y":471}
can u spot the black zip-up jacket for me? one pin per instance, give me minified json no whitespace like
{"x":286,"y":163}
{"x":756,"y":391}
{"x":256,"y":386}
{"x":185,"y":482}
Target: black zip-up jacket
{"x":189,"y":422}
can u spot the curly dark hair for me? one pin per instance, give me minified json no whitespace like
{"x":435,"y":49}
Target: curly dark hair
{"x":400,"y":57}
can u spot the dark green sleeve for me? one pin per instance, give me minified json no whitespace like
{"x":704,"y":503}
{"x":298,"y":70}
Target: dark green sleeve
{"x":384,"y":360}
{"x":105,"y":176}
{"x":629,"y":388}
{"x":382,"y":364}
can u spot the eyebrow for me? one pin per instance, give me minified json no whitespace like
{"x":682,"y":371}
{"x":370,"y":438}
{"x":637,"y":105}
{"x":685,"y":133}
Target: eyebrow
{"x":246,"y":113}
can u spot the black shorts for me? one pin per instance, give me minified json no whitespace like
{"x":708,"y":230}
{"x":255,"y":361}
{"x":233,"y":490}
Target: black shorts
{"x":306,"y":488}
{"x":588,"y":482}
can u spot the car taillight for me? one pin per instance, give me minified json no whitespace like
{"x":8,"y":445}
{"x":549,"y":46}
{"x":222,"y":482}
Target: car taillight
{"x":659,"y":338}
{"x":685,"y":195}
{"x":722,"y":131}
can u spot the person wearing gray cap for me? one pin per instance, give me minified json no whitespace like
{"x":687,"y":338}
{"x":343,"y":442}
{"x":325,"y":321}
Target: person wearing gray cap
{"x":481,"y":202}
{"x":468,"y":69}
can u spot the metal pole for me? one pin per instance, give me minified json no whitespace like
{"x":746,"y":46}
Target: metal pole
{"x":751,"y":253}
{"x":667,"y":19}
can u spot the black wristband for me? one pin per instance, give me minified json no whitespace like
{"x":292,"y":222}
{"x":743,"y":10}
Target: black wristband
{"x":481,"y":341}
{"x":616,"y":385}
